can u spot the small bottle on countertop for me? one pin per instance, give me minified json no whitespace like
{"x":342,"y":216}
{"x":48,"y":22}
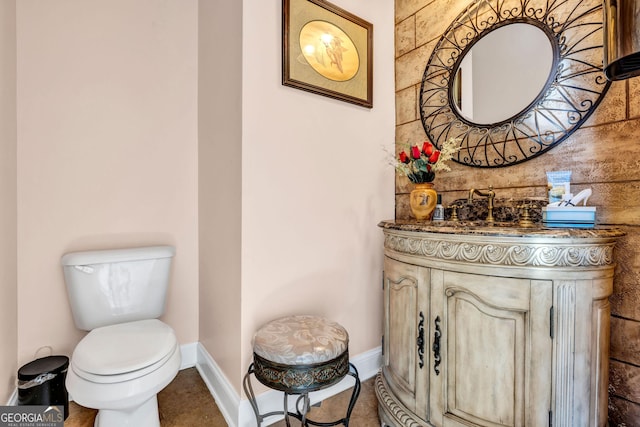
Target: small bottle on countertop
{"x":438,"y":213}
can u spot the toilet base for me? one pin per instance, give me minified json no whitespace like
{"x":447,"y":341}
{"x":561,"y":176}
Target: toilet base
{"x":145,"y":415}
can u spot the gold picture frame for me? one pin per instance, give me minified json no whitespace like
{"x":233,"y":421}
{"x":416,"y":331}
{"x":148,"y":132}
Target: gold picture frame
{"x":327,"y":50}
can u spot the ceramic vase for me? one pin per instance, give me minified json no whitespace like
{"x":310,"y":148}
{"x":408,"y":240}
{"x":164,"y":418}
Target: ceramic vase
{"x":423,"y":199}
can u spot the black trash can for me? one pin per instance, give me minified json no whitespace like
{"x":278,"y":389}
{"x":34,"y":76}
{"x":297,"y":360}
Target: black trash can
{"x":41,"y":382}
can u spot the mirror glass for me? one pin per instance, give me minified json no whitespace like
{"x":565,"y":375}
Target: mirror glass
{"x":503,"y":73}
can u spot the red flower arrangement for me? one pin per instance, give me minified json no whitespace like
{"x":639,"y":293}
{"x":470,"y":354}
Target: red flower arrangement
{"x":421,"y":164}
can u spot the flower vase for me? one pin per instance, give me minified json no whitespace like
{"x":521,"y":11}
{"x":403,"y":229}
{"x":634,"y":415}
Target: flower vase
{"x":423,"y":199}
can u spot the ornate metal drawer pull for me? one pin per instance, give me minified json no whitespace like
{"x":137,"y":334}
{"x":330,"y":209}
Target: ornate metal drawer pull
{"x":436,"y":346}
{"x":420,"y":340}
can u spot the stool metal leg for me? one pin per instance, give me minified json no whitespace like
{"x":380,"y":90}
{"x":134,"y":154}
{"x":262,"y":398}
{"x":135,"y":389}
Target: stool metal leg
{"x":248,"y":390}
{"x":286,"y":409}
{"x":354,"y":395}
{"x":306,"y":407}
{"x":352,"y":402}
{"x":301,"y":415}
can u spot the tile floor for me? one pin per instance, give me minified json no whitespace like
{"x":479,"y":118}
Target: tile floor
{"x":186,"y":402}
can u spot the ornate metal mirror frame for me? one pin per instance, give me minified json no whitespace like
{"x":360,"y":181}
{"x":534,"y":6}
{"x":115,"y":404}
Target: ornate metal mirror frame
{"x":573,"y":90}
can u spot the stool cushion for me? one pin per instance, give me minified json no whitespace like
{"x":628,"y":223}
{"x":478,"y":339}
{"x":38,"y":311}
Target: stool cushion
{"x":300,"y":340}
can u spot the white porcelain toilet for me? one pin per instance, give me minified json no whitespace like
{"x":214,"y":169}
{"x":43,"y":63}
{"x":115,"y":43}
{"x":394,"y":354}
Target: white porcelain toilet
{"x":129,"y":355}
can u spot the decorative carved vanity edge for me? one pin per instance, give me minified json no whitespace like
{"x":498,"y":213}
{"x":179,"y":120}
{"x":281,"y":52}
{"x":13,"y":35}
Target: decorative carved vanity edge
{"x":507,"y":247}
{"x":393,"y":408}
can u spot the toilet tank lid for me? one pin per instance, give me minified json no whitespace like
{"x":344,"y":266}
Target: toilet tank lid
{"x":117,"y":255}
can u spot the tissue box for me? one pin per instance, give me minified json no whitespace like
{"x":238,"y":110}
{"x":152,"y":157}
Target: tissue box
{"x":569,"y":216}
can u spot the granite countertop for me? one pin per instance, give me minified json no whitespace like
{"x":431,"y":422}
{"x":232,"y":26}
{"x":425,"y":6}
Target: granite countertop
{"x":505,"y":229}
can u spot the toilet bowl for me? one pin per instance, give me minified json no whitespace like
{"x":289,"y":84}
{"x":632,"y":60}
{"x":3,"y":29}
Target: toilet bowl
{"x":129,"y":355}
{"x":120,"y":369}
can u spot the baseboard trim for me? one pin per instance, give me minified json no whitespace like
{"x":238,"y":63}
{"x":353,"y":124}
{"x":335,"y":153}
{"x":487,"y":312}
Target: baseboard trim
{"x":225,"y":395}
{"x":189,"y":353}
{"x":238,"y":412}
{"x":13,"y":400}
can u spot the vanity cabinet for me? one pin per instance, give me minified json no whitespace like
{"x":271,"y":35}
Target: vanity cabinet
{"x":495,"y":326}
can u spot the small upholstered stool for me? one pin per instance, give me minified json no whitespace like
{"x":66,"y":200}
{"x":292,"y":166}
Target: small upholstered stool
{"x":298,"y":355}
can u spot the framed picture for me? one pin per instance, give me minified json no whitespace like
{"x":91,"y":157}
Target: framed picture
{"x":327,"y":50}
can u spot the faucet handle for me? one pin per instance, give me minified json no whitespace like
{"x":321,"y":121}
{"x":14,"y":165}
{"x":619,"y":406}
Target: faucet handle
{"x":525,"y":217}
{"x":454,"y":212}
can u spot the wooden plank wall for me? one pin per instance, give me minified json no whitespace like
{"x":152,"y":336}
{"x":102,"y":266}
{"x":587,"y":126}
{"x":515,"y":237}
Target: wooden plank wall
{"x":604,"y":154}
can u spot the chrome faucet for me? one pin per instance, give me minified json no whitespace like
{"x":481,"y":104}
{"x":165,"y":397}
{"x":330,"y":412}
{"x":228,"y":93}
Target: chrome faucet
{"x":490,"y":195}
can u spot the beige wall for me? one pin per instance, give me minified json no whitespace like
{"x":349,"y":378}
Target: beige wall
{"x":107,"y":150}
{"x":8,"y":221}
{"x":603,"y":155}
{"x":220,"y":180}
{"x":315,"y":183}
{"x":313,"y":180}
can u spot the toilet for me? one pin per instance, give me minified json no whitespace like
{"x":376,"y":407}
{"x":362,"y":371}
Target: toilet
{"x":129,"y":355}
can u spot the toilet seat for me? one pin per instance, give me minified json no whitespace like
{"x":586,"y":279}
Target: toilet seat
{"x":124,"y":352}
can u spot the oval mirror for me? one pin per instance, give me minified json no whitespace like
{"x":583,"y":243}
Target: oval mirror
{"x":518,"y":116}
{"x":489,"y":81}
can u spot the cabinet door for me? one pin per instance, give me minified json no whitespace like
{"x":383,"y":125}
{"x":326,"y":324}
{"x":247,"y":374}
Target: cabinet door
{"x":403,"y":283}
{"x":496,"y":350}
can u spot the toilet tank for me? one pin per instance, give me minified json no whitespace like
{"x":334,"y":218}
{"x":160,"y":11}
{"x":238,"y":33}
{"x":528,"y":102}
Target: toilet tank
{"x":116,"y":286}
